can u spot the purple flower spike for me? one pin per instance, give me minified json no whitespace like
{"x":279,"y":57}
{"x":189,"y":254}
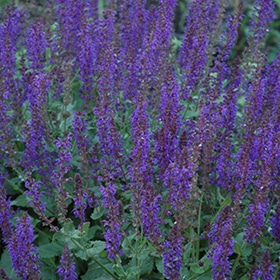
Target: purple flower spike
{"x":264,"y":270}
{"x":36,"y":45}
{"x":112,"y":235}
{"x":223,"y":245}
{"x":80,"y":198}
{"x":22,"y":251}
{"x":66,"y":270}
{"x":172,"y":256}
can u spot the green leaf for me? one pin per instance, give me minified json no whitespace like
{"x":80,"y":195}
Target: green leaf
{"x":190,"y":114}
{"x":197,"y":269}
{"x":48,"y":272}
{"x":185,"y":273}
{"x":94,"y":272}
{"x":97,"y":213}
{"x":147,"y":266}
{"x":98,"y":247}
{"x":6,"y":264}
{"x":159,"y":265}
{"x":237,"y":248}
{"x":20,"y":201}
{"x":50,"y":250}
{"x":143,"y":254}
{"x":85,"y":228}
{"x":241,"y":247}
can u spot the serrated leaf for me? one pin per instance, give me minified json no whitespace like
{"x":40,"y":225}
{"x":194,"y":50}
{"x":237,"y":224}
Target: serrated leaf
{"x":20,"y":201}
{"x":98,"y":212}
{"x":159,"y":265}
{"x":98,"y":247}
{"x":143,"y":254}
{"x":94,"y":271}
{"x":147,"y":266}
{"x":185,"y":273}
{"x":48,"y":272}
{"x":197,"y":269}
{"x":85,"y":228}
{"x":50,"y":250}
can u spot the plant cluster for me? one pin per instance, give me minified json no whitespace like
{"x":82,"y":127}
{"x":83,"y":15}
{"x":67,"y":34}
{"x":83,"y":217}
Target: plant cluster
{"x":127,"y":153}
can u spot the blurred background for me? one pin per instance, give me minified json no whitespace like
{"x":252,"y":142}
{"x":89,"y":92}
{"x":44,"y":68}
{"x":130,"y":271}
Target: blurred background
{"x":43,"y":9}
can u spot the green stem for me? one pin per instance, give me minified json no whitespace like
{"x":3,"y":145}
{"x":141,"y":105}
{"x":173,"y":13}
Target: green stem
{"x":198,"y":228}
{"x":104,"y":268}
{"x":119,"y":265}
{"x":94,"y":259}
{"x":235,"y":265}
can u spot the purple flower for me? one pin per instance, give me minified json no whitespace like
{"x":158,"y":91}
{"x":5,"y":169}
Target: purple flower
{"x":193,"y":56}
{"x":11,"y":98}
{"x":86,"y":58}
{"x":178,"y":179}
{"x":34,"y":191}
{"x":36,"y":46}
{"x":66,"y":269}
{"x":222,"y":244}
{"x":166,"y":138}
{"x":80,"y":198}
{"x":69,"y":16}
{"x":150,"y":207}
{"x":113,"y":233}
{"x":64,"y":157}
{"x":262,"y":16}
{"x":172,"y":256}
{"x":35,"y":132}
{"x":22,"y":251}
{"x":82,"y":141}
{"x":264,"y":270}
{"x":63,"y":165}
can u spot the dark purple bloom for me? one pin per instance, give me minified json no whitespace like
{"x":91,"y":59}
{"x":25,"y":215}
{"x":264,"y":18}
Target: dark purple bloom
{"x":264,"y":270}
{"x":36,"y":46}
{"x":262,"y":16}
{"x":66,"y":269}
{"x":64,"y":157}
{"x":36,"y":132}
{"x":172,"y":256}
{"x":166,"y":138}
{"x":257,"y":212}
{"x":113,"y":233}
{"x":69,"y":16}
{"x":80,"y":198}
{"x":86,"y":57}
{"x":134,"y":17}
{"x":59,"y":178}
{"x":11,"y":98}
{"x":222,"y":244}
{"x":151,"y":221}
{"x":82,"y":140}
{"x":193,"y":56}
{"x":22,"y":251}
{"x":34,"y":192}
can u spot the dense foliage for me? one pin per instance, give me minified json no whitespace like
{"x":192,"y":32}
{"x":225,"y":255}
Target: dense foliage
{"x":128,"y":153}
